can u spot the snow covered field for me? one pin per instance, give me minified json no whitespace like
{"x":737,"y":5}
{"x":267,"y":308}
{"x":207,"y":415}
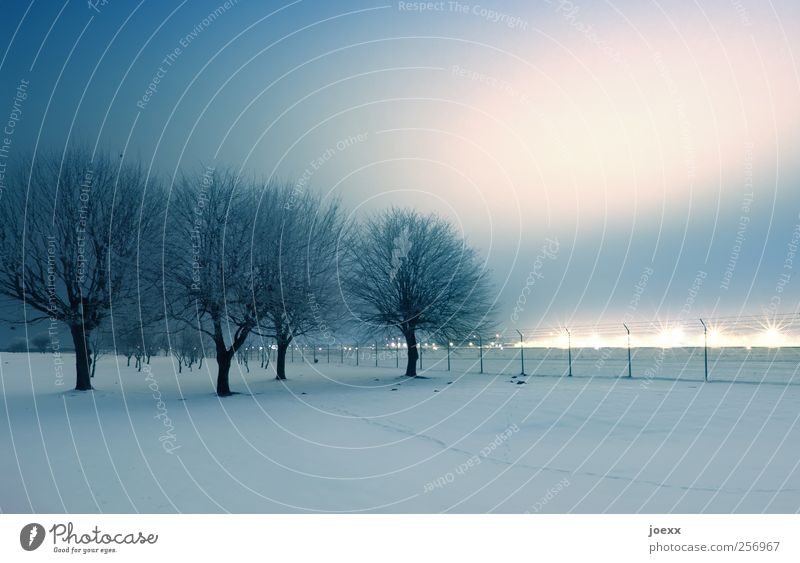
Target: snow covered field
{"x":346,"y":439}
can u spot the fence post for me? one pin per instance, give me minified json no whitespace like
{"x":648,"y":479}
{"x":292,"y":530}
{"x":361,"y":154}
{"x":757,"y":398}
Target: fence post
{"x":630,"y":370}
{"x":448,"y":355}
{"x":569,"y":351}
{"x":292,"y":346}
{"x":705,"y":349}
{"x":315,"y":354}
{"x":341,"y":348}
{"x":329,"y":352}
{"x":397,"y":354}
{"x":521,"y":351}
{"x":356,"y":353}
{"x":376,"y":353}
{"x":480,"y":350}
{"x":420,"y":355}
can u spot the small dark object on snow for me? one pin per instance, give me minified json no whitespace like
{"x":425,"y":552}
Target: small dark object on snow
{"x":316,"y":360}
{"x":394,"y":389}
{"x":449,"y":382}
{"x":513,"y":377}
{"x":376,"y":379}
{"x":520,"y":383}
{"x":435,"y":390}
{"x":303,"y":393}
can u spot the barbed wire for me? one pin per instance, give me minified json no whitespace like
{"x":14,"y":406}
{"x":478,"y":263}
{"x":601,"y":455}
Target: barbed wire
{"x":755,"y":322}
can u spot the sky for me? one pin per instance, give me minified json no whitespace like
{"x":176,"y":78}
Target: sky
{"x":624,"y":161}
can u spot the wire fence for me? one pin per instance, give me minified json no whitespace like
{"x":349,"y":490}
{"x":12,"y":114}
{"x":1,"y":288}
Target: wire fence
{"x":778,"y":365}
{"x":722,"y":349}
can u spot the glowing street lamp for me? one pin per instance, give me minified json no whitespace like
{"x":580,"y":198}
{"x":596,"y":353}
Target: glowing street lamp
{"x":714,"y":337}
{"x":773,"y":337}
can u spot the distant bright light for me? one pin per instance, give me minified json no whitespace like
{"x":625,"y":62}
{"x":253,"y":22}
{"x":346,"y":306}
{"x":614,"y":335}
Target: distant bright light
{"x":773,"y":338}
{"x":671,"y":338}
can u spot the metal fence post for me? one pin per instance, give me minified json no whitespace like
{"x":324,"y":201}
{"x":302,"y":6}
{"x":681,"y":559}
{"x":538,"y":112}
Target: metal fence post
{"x":705,"y":349}
{"x":569,"y":351}
{"x":448,"y":355}
{"x":521,"y":351}
{"x":630,"y":369}
{"x":376,"y":353}
{"x":480,"y":350}
{"x":356,"y":353}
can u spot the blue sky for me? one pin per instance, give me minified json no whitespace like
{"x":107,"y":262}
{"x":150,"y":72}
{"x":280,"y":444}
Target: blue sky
{"x":634,"y":133}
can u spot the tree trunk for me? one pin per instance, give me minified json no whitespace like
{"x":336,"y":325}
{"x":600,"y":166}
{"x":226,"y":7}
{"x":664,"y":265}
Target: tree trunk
{"x":83,"y":358}
{"x":224,"y":368}
{"x":413,"y":352}
{"x":224,"y":357}
{"x":280,"y":366}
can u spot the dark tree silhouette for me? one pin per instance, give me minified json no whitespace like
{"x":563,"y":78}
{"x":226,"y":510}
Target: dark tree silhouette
{"x":40,"y":343}
{"x":187,"y":346}
{"x":207,"y":271}
{"x":72,"y":227}
{"x":414,"y":273}
{"x":295,"y":252}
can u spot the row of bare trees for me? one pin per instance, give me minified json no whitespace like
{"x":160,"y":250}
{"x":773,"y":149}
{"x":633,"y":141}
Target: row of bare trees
{"x":218,"y":257}
{"x":255,"y":257}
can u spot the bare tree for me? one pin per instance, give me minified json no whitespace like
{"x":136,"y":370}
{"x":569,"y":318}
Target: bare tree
{"x":40,"y":342}
{"x":415,"y":273}
{"x":71,"y":230}
{"x":18,"y":346}
{"x":248,"y":257}
{"x":127,"y":343}
{"x":297,"y":259}
{"x":187,"y":347}
{"x":136,"y":330}
{"x":101,"y":343}
{"x":208,"y":273}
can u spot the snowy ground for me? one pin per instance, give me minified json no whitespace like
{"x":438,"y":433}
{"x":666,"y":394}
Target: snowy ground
{"x":348,"y":439}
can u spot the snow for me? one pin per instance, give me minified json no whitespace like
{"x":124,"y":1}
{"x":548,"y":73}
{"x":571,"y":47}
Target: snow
{"x":351,"y":439}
